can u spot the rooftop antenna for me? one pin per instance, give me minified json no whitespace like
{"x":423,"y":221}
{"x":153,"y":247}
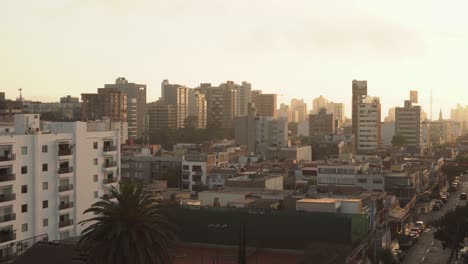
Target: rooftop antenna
{"x":21,"y":94}
{"x":431,"y":105}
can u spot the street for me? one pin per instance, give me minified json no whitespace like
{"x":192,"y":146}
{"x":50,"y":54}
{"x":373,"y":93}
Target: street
{"x":427,"y":249}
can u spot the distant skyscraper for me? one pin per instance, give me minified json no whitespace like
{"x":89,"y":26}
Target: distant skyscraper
{"x":106,"y":103}
{"x":391,"y":115}
{"x":299,"y":110}
{"x":359,"y":91}
{"x":414,"y":97}
{"x":136,"y":106}
{"x":284,"y":111}
{"x":322,"y":123}
{"x":161,"y":115}
{"x":222,"y":104}
{"x":319,"y":103}
{"x":197,"y":108}
{"x":254,"y":94}
{"x":369,"y":136}
{"x":266,"y":105}
{"x":178,"y":96}
{"x":408,"y":125}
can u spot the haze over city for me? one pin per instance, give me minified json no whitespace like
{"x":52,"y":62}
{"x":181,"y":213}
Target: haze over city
{"x":302,"y":49}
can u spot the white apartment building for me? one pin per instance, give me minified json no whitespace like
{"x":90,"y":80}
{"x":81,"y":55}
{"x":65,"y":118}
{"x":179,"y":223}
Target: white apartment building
{"x":50,"y":176}
{"x":197,"y":166}
{"x":351,"y":176}
{"x":368,"y":125}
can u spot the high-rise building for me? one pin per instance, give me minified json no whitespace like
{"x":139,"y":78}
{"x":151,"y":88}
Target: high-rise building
{"x":299,"y":110}
{"x":368,"y":124}
{"x":106,"y":103}
{"x":284,"y":111}
{"x":161,"y":115}
{"x":359,"y":91}
{"x":254,"y":94}
{"x":221,"y":103}
{"x":197,"y":108}
{"x":49,"y":179}
{"x":266,"y":105}
{"x":391,"y":115}
{"x":414,"y":97}
{"x":136,"y":106}
{"x":321,"y":123}
{"x":338,"y":112}
{"x":319,"y":103}
{"x":243,"y":93}
{"x":408,"y":126}
{"x":178,"y":96}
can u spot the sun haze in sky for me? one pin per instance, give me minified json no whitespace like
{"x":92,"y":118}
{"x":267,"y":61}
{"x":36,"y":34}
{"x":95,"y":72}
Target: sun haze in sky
{"x":303,"y":49}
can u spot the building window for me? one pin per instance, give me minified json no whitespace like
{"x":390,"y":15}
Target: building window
{"x":24,"y":227}
{"x":45,"y":186}
{"x":24,"y":150}
{"x":95,"y":145}
{"x":45,"y":222}
{"x":24,"y":169}
{"x":95,"y":161}
{"x":24,"y":208}
{"x":45,"y":149}
{"x":95,"y":178}
{"x":45,"y":204}
{"x":24,"y":189}
{"x":45,"y":167}
{"x":96,"y":195}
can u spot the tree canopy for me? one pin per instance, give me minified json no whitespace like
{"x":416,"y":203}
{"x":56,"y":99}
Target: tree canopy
{"x":453,"y":227}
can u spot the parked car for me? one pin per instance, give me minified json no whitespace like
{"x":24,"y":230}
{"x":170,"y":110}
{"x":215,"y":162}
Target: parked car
{"x":416,"y":229}
{"x":443,"y":198}
{"x":414,"y":235}
{"x":398,"y":256}
{"x":420,"y":225}
{"x":439,"y":202}
{"x":463,"y":196}
{"x":436,"y":207}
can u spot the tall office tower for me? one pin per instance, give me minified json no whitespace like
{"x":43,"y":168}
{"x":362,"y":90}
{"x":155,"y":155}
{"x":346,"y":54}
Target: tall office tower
{"x":284,"y":111}
{"x":106,"y":103}
{"x":359,"y":91}
{"x":322,"y":123}
{"x":299,"y":110}
{"x":319,"y":103}
{"x":161,"y":115}
{"x":408,"y":125}
{"x":338,"y":111}
{"x":391,"y":115}
{"x":414,"y":97}
{"x":460,"y":114}
{"x":266,"y":105}
{"x":49,"y":178}
{"x":136,"y":106}
{"x":221,"y":104}
{"x":369,"y":131}
{"x":178,"y":96}
{"x":243,"y":93}
{"x":197,"y":108}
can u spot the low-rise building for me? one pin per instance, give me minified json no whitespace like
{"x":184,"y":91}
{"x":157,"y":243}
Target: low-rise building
{"x":197,"y":166}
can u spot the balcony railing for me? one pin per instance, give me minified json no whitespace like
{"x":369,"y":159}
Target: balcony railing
{"x":110,"y":164}
{"x":67,"y":205}
{"x":65,"y":223}
{"x":65,"y":152}
{"x":7,"y":197}
{"x":65,"y":188}
{"x":109,"y":180}
{"x":7,"y":236}
{"x":65,"y":170}
{"x":7,"y":177}
{"x":109,"y":148}
{"x":7,"y":218}
{"x":8,"y":157}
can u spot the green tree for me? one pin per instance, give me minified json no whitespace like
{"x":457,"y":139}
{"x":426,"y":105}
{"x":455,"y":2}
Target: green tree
{"x":451,"y":171}
{"x":452,"y":228}
{"x":398,"y":141}
{"x":130,"y":230}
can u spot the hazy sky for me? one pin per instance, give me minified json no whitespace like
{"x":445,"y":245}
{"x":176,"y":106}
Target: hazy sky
{"x":302,"y":49}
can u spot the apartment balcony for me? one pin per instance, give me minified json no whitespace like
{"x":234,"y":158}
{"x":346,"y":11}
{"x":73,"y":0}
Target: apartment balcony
{"x":109,"y":165}
{"x":65,"y":223}
{"x":7,"y":197}
{"x":67,"y":205}
{"x":7,"y":218}
{"x":107,"y":149}
{"x":198,"y":173}
{"x":65,"y":170}
{"x":65,"y":188}
{"x":9,"y":157}
{"x":110,"y":180}
{"x":7,"y":236}
{"x":7,"y":177}
{"x":65,"y":152}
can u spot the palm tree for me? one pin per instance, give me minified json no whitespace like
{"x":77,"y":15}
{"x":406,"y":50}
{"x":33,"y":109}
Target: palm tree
{"x":130,"y":230}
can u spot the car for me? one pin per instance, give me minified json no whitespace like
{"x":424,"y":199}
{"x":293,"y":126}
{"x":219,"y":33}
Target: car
{"x":416,"y":229}
{"x":436,"y":207}
{"x":463,"y":196}
{"x":420,"y":225}
{"x":443,"y":198}
{"x":439,"y":202}
{"x":414,"y":235}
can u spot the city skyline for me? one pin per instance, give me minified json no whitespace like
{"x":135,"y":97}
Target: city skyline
{"x":313,"y":45}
